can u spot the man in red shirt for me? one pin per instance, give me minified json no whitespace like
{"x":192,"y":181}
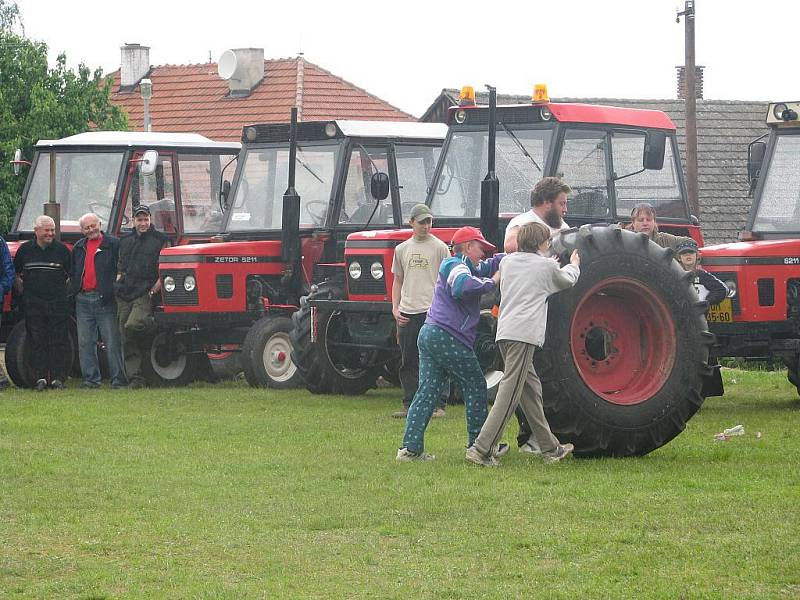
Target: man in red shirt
{"x":94,"y":269}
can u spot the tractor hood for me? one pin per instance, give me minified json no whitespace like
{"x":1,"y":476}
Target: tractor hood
{"x":221,"y":252}
{"x":394,"y":236}
{"x":759,"y":249}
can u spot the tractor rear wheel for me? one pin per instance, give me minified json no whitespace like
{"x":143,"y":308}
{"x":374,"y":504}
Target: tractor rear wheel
{"x":166,"y":363}
{"x":17,"y":362}
{"x":267,"y":354}
{"x":326,"y":367}
{"x":626,"y":348}
{"x":792,"y":366}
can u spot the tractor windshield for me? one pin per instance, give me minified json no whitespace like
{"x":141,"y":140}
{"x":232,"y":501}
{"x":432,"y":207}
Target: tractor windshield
{"x":85,"y":182}
{"x":264,"y":174}
{"x":779,"y":206}
{"x":520,"y":163}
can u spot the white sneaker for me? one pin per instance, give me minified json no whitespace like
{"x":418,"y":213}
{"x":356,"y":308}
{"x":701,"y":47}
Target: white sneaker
{"x":405,"y":455}
{"x":560,"y":453}
{"x":530,"y":447}
{"x":475,"y":457}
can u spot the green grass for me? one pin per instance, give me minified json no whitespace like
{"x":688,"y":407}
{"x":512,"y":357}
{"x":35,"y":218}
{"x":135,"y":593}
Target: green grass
{"x":229,"y":492}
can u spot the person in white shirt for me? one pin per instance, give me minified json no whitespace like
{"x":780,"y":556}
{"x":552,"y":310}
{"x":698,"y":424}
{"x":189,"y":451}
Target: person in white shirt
{"x":527,"y":279}
{"x":548,"y":207}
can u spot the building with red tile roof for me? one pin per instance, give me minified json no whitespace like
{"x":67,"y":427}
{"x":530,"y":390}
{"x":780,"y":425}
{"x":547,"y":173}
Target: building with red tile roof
{"x":195,"y":99}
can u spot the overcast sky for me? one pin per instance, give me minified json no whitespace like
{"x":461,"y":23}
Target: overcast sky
{"x":406,"y":52}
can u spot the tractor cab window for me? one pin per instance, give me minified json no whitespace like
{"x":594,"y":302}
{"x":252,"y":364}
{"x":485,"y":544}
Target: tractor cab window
{"x":156,"y":191}
{"x":520,"y":162}
{"x":661,"y":188}
{"x":415,"y":167}
{"x":199,"y":185}
{"x":85,"y":182}
{"x":779,"y":205}
{"x":257,"y":200}
{"x":358,"y":205}
{"x":583,"y":167}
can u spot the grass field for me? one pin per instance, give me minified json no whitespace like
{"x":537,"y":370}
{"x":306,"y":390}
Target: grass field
{"x":229,"y":492}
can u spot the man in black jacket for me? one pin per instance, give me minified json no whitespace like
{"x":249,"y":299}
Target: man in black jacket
{"x":94,"y":270}
{"x":43,"y":266}
{"x":137,"y":283}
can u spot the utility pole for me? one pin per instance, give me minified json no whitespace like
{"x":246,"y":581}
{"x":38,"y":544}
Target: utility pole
{"x":691,"y":107}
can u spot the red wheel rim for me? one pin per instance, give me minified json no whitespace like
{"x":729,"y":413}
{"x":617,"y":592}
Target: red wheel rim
{"x":623,"y":342}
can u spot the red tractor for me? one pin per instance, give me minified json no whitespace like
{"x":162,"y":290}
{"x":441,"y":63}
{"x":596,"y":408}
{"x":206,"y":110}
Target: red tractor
{"x":627,"y":347}
{"x":239,"y":293}
{"x":761,"y":318}
{"x":178,"y":175}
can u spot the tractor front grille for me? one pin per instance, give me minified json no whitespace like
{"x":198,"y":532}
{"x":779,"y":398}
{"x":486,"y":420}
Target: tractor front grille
{"x":366,"y":284}
{"x":179,"y":296}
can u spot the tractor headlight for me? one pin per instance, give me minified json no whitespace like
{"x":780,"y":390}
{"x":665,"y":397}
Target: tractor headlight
{"x":354,"y":269}
{"x":169,"y":283}
{"x":731,"y":285}
{"x":189,"y":283}
{"x":376,"y":270}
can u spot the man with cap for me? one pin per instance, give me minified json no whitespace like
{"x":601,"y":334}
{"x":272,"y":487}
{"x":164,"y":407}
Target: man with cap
{"x":137,"y":283}
{"x":415,"y":267}
{"x":446,"y":340}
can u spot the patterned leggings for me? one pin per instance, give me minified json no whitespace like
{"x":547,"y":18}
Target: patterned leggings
{"x":441,"y":355}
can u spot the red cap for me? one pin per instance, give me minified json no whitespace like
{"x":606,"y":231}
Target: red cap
{"x":469,"y":234}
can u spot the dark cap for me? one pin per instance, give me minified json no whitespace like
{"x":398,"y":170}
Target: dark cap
{"x":687,"y":246}
{"x":420,"y":212}
{"x":142,"y":209}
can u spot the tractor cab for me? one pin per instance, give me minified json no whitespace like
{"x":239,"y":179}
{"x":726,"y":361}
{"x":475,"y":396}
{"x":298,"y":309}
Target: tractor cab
{"x":612,"y":158}
{"x":761,"y":318}
{"x":239,"y":291}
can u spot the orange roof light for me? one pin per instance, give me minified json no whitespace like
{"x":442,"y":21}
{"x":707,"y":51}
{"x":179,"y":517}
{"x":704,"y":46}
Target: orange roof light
{"x":540,"y":94}
{"x":467,"y":96}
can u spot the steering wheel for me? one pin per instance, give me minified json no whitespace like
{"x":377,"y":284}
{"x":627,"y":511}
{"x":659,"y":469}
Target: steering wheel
{"x":319,"y":214}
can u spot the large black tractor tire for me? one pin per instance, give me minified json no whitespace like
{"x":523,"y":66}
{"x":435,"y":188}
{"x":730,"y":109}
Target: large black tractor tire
{"x":163,"y":368}
{"x":266,"y":354}
{"x":319,"y":363}
{"x":792,"y":366}
{"x":17,"y":361}
{"x":627,"y":347}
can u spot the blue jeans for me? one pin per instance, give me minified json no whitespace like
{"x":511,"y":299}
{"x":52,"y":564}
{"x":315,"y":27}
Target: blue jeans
{"x":93,"y":317}
{"x":441,"y":356}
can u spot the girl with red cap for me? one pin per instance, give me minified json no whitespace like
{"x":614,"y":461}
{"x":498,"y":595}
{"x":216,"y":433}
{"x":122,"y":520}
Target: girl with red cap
{"x":446,"y":339}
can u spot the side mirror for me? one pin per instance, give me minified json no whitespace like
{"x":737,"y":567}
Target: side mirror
{"x":755,"y":159}
{"x":17,"y":160}
{"x":148,"y":163}
{"x":224,"y":193}
{"x":655,"y":144}
{"x":379,"y":186}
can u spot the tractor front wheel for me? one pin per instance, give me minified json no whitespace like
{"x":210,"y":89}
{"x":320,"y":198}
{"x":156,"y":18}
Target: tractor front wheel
{"x":267,"y":354}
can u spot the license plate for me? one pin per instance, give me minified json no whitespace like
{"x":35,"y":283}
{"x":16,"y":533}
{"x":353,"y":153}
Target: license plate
{"x":720,"y":313}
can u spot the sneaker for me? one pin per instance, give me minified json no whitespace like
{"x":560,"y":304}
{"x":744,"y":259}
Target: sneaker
{"x":501,"y":450}
{"x":405,"y":455}
{"x":561,"y":452}
{"x":439,"y":413}
{"x":530,"y":447}
{"x":474,"y":456}
{"x":41,"y":385}
{"x":4,"y":384}
{"x":400,"y":414}
{"x":57,"y":384}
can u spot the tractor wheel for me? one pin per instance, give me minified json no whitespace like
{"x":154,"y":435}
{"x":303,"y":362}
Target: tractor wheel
{"x":17,"y":363}
{"x":326,"y":368}
{"x":163,"y":366}
{"x":267,"y":354}
{"x":626,"y":348}
{"x":792,"y":366}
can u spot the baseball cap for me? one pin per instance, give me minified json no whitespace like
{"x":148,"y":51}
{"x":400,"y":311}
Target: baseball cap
{"x":420,"y":212}
{"x":141,"y":209}
{"x":687,"y":246}
{"x":469,"y":234}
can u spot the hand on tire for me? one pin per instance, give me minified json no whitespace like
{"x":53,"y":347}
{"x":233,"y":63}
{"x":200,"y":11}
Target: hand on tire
{"x":575,"y":258}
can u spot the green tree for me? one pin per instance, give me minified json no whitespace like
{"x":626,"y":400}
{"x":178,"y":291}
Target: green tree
{"x":39,"y":102}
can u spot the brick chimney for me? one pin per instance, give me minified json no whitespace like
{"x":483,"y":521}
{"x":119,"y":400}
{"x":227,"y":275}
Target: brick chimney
{"x":134,"y":65}
{"x":698,"y":70}
{"x":243,"y":68}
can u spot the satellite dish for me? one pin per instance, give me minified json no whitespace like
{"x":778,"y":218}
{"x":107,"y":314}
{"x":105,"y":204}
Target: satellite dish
{"x":227,"y":64}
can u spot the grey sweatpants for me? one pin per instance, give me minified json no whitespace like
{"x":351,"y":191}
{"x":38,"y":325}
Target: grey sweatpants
{"x":520,"y":386}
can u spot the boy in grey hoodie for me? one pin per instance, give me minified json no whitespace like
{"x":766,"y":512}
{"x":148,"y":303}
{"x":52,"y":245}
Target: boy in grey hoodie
{"x":527,"y":278}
